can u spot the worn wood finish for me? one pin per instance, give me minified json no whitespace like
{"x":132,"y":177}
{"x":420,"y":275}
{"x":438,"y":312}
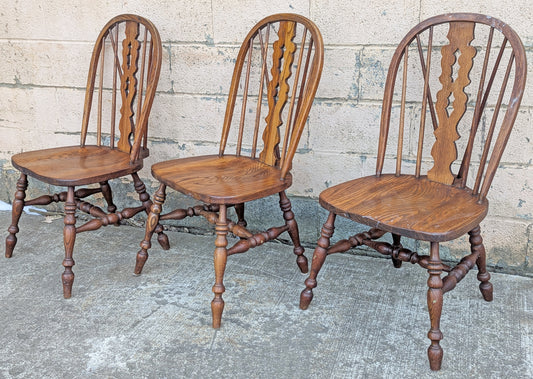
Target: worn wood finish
{"x":75,"y":165}
{"x":86,"y":164}
{"x":278,"y":89}
{"x":441,"y":205}
{"x":285,"y":53}
{"x":221,"y":180}
{"x":444,"y":151}
{"x":405,"y":205}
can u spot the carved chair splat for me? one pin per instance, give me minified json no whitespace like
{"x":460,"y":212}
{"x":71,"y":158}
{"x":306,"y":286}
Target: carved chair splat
{"x":125,"y":63}
{"x":441,"y":205}
{"x":276,"y":76}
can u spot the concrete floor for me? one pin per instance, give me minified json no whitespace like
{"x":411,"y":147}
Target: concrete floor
{"x":368,"y":320}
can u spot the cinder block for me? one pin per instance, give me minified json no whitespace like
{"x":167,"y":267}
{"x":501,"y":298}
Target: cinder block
{"x":375,"y":22}
{"x":202,"y":69}
{"x":340,"y":75}
{"x":232,"y":20}
{"x":511,"y":193}
{"x":11,"y":142}
{"x":344,"y":127}
{"x":56,"y":20}
{"x":187,"y":118}
{"x":505,"y":242}
{"x":27,"y":65}
{"x":176,"y":20}
{"x":375,"y":63}
{"x":314,"y":171}
{"x":520,"y":145}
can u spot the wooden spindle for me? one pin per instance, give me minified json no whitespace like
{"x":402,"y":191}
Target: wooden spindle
{"x":264,"y":77}
{"x":493,"y":74}
{"x":244,"y":98}
{"x":100,"y":88}
{"x":304,"y":77}
{"x":424,"y":105}
{"x":288,"y":128}
{"x":465,"y":164}
{"x":492,"y":127}
{"x":430,"y":99}
{"x":402,"y":113}
{"x":116,"y":67}
{"x":141,"y":83}
{"x":148,"y":80}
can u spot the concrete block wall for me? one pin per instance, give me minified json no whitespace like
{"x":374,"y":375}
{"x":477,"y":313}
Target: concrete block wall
{"x":46,"y":48}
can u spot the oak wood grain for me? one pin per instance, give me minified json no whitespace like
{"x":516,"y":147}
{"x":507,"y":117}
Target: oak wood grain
{"x":74,"y":165}
{"x":221,"y":180}
{"x":405,"y":205}
{"x":444,"y":151}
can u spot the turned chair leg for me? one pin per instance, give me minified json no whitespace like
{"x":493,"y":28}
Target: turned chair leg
{"x":476,"y":245}
{"x":434,"y":299}
{"x":69,"y":237}
{"x":239,"y":209}
{"x":319,"y":256}
{"x":288,"y":216}
{"x":108,"y":196}
{"x":220,"y":257}
{"x":396,"y":245}
{"x":152,"y":222}
{"x":18,"y":206}
{"x":145,"y":199}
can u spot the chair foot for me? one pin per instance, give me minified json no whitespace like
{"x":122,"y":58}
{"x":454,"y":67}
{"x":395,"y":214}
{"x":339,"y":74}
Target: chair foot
{"x":162,"y":238}
{"x":301,"y":260}
{"x":486,"y":289}
{"x":67,"y":278}
{"x":476,"y":245}
{"x":435,"y":354}
{"x":18,"y":206}
{"x":307,"y":294}
{"x":142,"y":256}
{"x":217,"y":307}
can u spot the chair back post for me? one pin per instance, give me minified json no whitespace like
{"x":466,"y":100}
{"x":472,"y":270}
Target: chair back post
{"x":451,"y":103}
{"x":288,"y":75}
{"x":136,"y":63}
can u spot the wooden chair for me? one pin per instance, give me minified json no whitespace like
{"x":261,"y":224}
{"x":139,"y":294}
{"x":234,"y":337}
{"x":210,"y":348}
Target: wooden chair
{"x":438,"y":206}
{"x":280,"y":90}
{"x":125,"y":63}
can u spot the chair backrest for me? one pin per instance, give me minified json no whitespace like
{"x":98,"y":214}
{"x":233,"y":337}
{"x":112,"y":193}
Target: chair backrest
{"x":124,"y":72}
{"x":478,"y":54}
{"x":279,"y":63}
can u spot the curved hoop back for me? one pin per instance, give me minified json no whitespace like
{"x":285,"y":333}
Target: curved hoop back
{"x":124,"y":73}
{"x":276,"y":76}
{"x":478,"y":96}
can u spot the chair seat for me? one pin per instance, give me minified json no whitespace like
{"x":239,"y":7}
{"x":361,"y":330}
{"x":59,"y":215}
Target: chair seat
{"x":228,"y":179}
{"x":405,"y":205}
{"x":75,"y":165}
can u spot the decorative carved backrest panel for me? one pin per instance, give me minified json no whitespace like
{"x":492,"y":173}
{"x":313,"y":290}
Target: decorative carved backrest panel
{"x":123,"y":74}
{"x":128,"y":84}
{"x":480,"y":85}
{"x":278,"y":90}
{"x":444,"y":151}
{"x":275,"y":79}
